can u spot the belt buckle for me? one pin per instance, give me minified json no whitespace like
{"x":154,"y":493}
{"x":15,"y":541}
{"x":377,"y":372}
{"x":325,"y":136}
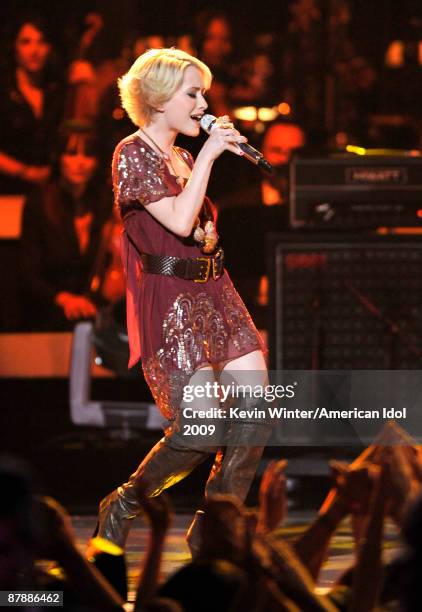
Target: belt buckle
{"x":216,"y":262}
{"x":207,"y":273}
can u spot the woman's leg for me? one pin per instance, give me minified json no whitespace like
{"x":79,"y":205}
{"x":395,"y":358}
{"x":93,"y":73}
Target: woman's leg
{"x":235,"y":467}
{"x":163,"y":466}
{"x":168,"y":462}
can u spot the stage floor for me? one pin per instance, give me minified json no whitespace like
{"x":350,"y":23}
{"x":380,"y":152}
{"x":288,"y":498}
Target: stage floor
{"x":176,"y":552}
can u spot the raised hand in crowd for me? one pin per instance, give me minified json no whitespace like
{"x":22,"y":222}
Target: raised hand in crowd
{"x":159,"y":514}
{"x":224,"y":528}
{"x":53,"y":528}
{"x":367,"y":572}
{"x":272,"y":497}
{"x":54,"y":540}
{"x":403,"y":485}
{"x":277,"y":580}
{"x":395,"y":448}
{"x":351,"y":490}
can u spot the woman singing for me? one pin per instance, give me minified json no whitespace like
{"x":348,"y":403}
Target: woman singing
{"x":186,"y":322}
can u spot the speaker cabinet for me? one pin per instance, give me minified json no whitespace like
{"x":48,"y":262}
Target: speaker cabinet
{"x":349,"y":303}
{"x":342,"y":304}
{"x":353,"y":191}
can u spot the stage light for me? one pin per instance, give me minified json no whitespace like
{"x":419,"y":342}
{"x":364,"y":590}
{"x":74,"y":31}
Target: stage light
{"x":259,"y":127}
{"x":355,"y":150}
{"x":383,"y":152}
{"x":246,"y":113}
{"x":118,"y":114}
{"x":284,"y":108}
{"x":341,"y":139}
{"x":267,"y":114}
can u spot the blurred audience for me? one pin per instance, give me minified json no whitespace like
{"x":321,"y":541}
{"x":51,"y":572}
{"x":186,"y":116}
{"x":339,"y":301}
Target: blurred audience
{"x":112,"y":122}
{"x":62,"y":230}
{"x":257,"y":80}
{"x":407,"y":569}
{"x":281,"y":575}
{"x":251,"y":567}
{"x":396,"y":122}
{"x":214,"y":45}
{"x":280,"y":141}
{"x":261,"y":70}
{"x":94,"y":67}
{"x":244,"y":561}
{"x":31,"y":106}
{"x":35,"y":528}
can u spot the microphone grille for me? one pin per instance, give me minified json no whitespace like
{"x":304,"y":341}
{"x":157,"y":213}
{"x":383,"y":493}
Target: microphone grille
{"x":207,"y":122}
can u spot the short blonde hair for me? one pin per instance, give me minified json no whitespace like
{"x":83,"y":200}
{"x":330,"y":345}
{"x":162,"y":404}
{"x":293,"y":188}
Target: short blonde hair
{"x":153,"y":79}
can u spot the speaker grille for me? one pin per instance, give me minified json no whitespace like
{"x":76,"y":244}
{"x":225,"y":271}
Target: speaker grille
{"x":347,"y":306}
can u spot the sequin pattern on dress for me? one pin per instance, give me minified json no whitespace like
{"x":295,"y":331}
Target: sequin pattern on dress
{"x":139,"y":175}
{"x":242,"y":328}
{"x":195,"y":333}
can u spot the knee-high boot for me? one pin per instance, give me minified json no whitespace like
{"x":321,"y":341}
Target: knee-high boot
{"x":164,"y":465}
{"x":234,"y":468}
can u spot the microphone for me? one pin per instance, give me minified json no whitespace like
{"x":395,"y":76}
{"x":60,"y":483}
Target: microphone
{"x":253,"y":155}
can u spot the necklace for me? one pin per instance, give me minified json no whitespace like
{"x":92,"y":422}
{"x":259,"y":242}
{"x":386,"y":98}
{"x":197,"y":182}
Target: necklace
{"x":166,"y":157}
{"x":207,"y":237}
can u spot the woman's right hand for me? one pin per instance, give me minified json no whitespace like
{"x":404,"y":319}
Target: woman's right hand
{"x":223,"y":137}
{"x":75,"y":306}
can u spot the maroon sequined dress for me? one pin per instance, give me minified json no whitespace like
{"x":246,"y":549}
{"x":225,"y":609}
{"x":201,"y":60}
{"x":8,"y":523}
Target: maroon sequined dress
{"x":175,"y":326}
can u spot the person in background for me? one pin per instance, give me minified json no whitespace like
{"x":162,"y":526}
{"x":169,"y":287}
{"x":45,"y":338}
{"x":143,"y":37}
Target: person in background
{"x":31,"y":105}
{"x":112,"y":124}
{"x":215,"y":47}
{"x":35,"y":528}
{"x":61,"y":234}
{"x":213,"y":40}
{"x":93,"y":67}
{"x":280,"y":141}
{"x":248,"y":214}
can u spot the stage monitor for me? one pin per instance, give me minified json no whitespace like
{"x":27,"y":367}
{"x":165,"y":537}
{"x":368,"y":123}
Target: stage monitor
{"x":352,"y":191}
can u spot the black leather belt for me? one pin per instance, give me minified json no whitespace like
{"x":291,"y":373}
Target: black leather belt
{"x":198,"y":269}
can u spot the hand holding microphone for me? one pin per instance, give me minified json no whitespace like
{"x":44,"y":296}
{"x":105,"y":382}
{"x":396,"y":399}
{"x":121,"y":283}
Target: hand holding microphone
{"x":223,"y":137}
{"x":209,"y":122}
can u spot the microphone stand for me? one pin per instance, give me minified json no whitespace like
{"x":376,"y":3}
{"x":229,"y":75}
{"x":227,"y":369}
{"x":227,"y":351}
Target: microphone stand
{"x":392,"y":326}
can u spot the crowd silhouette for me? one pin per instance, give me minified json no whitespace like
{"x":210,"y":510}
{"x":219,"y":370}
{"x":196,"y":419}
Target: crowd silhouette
{"x":244,"y":561}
